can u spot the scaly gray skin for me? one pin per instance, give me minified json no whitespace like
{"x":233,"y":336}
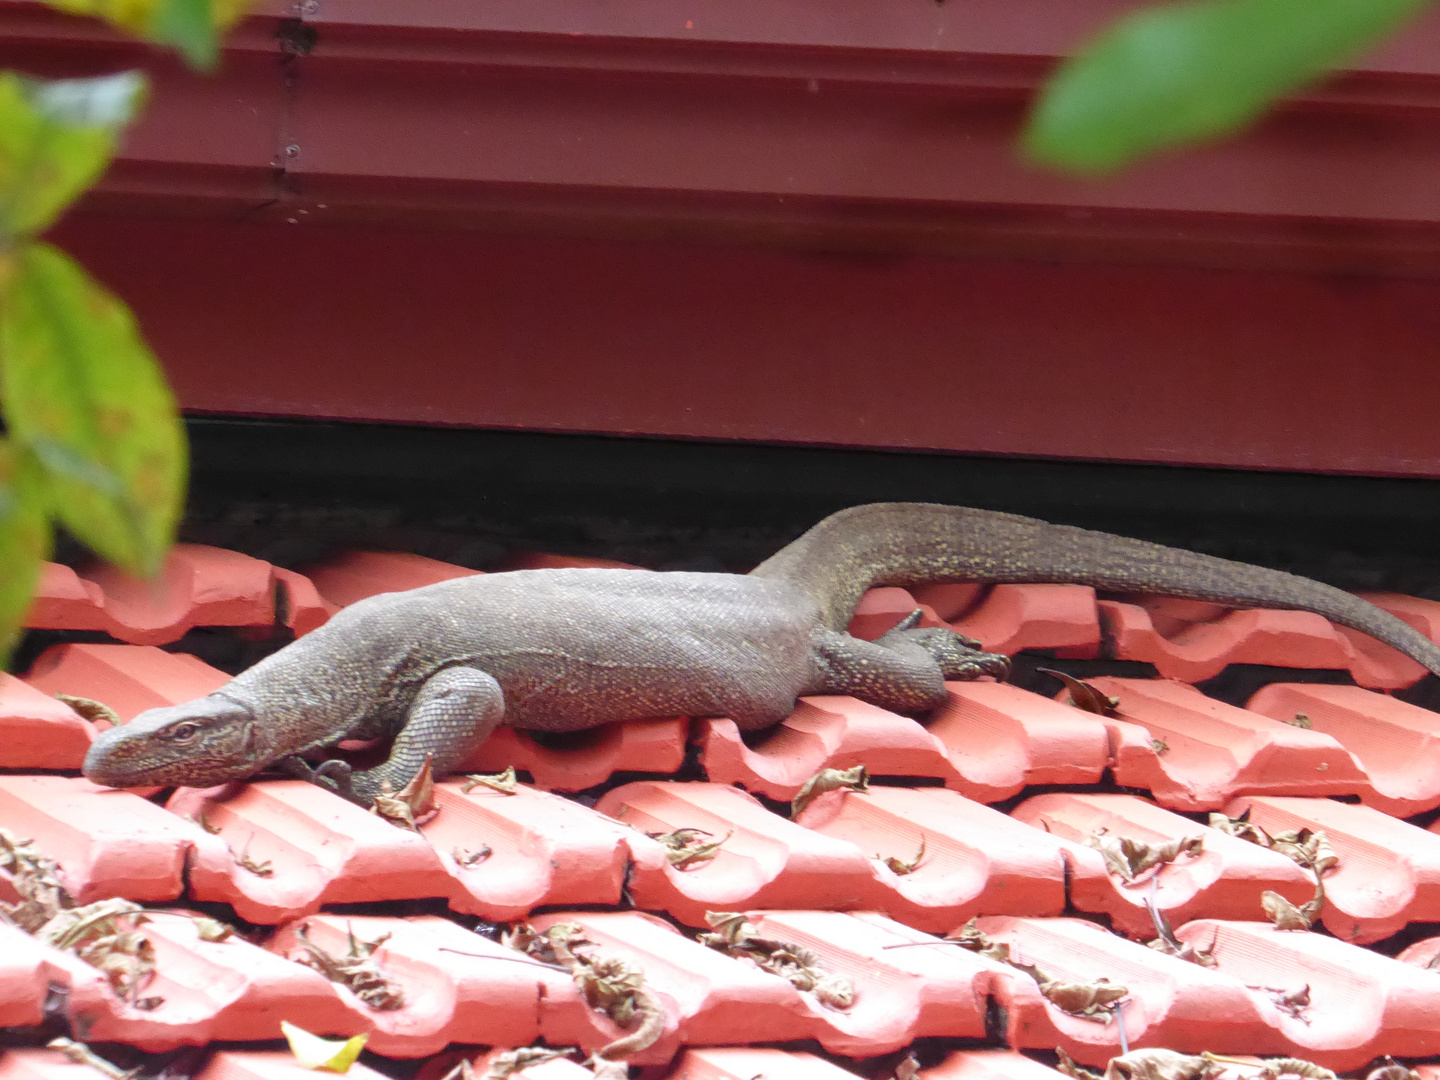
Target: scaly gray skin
{"x":438,"y":668}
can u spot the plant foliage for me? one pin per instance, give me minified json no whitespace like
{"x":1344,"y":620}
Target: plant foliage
{"x":1193,"y":71}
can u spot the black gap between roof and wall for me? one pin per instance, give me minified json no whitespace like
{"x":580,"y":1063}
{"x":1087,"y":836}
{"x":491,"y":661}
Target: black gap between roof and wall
{"x":294,"y":491}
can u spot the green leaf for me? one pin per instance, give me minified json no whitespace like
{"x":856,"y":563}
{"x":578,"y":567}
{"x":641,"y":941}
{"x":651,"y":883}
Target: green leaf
{"x":24,"y":539}
{"x":313,"y":1052}
{"x":83,"y":393}
{"x":56,"y":138}
{"x":188,"y":27}
{"x":191,"y":27}
{"x":1188,"y":72}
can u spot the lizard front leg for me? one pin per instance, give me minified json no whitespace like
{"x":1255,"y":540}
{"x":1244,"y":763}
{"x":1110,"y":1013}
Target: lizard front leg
{"x":454,"y":712}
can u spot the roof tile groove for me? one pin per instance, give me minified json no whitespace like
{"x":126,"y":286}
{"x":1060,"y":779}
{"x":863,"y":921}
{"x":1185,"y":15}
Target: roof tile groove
{"x":37,"y":731}
{"x":355,"y":575}
{"x":1195,"y":753}
{"x":267,"y":1065}
{"x":324,"y":850}
{"x":1225,"y":881}
{"x":212,"y":991}
{"x":1389,"y":871}
{"x":989,"y":1065}
{"x":900,"y":995}
{"x":1397,"y":744}
{"x":977,"y":861}
{"x":128,"y":678}
{"x":1193,"y":641}
{"x":746,"y":1063}
{"x":198,"y":586}
{"x":1004,"y":618}
{"x":109,"y":843}
{"x":988,"y":742}
{"x":1362,"y":1004}
{"x":587,"y":758}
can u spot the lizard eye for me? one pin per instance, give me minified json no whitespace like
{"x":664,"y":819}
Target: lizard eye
{"x":185,"y":731}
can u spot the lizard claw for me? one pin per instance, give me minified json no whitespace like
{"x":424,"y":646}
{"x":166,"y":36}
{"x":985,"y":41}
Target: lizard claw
{"x":333,"y":775}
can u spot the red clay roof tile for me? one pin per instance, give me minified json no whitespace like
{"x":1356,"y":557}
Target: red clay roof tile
{"x":1396,"y":744}
{"x":746,"y":1063}
{"x":1362,"y":1004}
{"x":37,"y":731}
{"x":198,"y":586}
{"x":343,"y":579}
{"x":1389,"y":871}
{"x":457,"y":987}
{"x":587,"y":758}
{"x":108,"y":842}
{"x":1193,"y":641}
{"x":1224,"y":881}
{"x":1195,"y":753}
{"x":544,"y":850}
{"x":265,"y":1065}
{"x":766,"y":861}
{"x":977,"y":861}
{"x":128,"y":678}
{"x":989,"y":1065}
{"x":988,"y":742}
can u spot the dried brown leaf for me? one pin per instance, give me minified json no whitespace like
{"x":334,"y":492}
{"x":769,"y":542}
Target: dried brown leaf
{"x":1308,"y":847}
{"x":1084,"y":696}
{"x":211,"y":929}
{"x":1283,"y":913}
{"x":1392,"y":1070}
{"x":1287,"y":1066}
{"x":513,"y":1061}
{"x":412,"y":805}
{"x":96,"y":712}
{"x":1092,"y":999}
{"x":245,"y":862}
{"x":1128,"y":858}
{"x":1240,"y":826}
{"x":81,"y":1054}
{"x":466,"y":858}
{"x":855,"y":779}
{"x":356,"y":970}
{"x":1293,"y":1001}
{"x":503,"y":782}
{"x":972,"y":938}
{"x":798,"y":965}
{"x":1159,"y":1064}
{"x":685,"y":849}
{"x":900,"y":866}
{"x":1067,"y":1065}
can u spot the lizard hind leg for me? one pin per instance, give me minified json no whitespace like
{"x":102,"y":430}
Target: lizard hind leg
{"x":903,"y":671}
{"x":959,"y":657}
{"x":455,"y":711}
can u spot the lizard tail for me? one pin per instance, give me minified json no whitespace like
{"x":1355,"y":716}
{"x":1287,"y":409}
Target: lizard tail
{"x":910,"y":543}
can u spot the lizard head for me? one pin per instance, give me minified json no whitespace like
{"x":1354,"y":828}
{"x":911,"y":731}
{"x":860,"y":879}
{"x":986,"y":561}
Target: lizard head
{"x":199,"y":743}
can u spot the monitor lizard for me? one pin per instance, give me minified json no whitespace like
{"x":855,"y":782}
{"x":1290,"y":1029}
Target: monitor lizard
{"x":436,"y":669}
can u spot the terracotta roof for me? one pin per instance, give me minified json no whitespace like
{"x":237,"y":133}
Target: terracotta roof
{"x":1002,"y":790}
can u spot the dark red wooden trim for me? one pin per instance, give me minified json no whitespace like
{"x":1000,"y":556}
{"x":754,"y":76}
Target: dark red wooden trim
{"x":1165,"y":364}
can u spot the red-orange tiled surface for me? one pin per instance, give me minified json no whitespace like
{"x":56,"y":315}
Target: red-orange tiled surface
{"x":994,"y":809}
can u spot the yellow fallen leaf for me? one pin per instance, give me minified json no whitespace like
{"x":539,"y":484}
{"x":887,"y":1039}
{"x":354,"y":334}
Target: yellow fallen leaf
{"x":313,"y":1052}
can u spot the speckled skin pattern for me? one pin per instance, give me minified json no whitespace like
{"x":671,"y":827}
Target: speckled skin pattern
{"x":438,"y":668}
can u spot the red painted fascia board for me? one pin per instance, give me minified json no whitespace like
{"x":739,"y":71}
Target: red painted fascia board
{"x":856,"y":126}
